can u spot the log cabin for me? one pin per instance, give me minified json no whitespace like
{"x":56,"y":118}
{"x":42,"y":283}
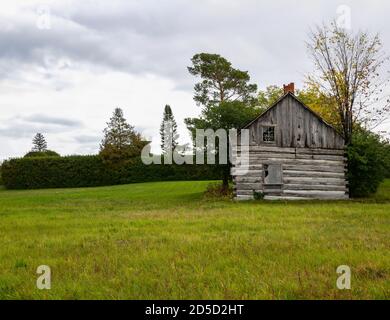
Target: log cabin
{"x":293,"y":154}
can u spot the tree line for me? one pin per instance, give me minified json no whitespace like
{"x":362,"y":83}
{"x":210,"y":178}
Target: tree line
{"x":346,"y":87}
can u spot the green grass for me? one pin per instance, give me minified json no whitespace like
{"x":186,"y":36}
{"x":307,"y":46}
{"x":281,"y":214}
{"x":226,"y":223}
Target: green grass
{"x":166,"y":241}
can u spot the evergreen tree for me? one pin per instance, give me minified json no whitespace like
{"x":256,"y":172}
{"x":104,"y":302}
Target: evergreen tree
{"x":120,"y":140}
{"x":39,"y":143}
{"x":119,"y":133}
{"x":226,"y":95}
{"x":168,"y":130}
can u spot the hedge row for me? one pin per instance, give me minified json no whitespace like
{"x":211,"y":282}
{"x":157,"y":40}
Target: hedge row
{"x":90,"y":171}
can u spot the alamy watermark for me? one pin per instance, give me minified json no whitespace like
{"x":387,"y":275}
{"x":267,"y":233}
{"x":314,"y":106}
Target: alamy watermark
{"x":228,"y":146}
{"x":344,"y":17}
{"x":44,"y":279}
{"x":43,"y":21}
{"x":344,"y":280}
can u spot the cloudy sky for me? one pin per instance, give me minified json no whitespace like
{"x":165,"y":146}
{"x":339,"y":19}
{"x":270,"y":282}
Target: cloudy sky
{"x":65,"y":65}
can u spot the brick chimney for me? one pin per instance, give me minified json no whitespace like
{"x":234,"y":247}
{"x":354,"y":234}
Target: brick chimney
{"x":289,"y":88}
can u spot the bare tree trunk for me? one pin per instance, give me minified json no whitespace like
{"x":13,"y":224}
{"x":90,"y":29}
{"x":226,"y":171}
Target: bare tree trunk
{"x":225,"y":177}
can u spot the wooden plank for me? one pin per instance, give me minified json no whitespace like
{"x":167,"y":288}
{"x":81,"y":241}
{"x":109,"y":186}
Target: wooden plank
{"x":248,"y":186}
{"x":315,"y":194}
{"x":272,"y":149}
{"x":314,"y":168}
{"x":314,"y":181}
{"x":246,"y":192}
{"x":246,"y":179}
{"x":238,"y":172}
{"x":267,"y":155}
{"x":297,"y":150}
{"x":320,"y":157}
{"x":316,"y":187}
{"x":319,"y":174}
{"x":243,"y":197}
{"x":252,"y":166}
{"x":319,"y":151}
{"x":313,"y":162}
{"x":284,"y":198}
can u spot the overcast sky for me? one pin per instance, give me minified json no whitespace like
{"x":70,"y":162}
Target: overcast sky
{"x":65,"y":65}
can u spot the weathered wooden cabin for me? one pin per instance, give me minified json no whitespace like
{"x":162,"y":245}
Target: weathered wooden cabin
{"x":293,"y":154}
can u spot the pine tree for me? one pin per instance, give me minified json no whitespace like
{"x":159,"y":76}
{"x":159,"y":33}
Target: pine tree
{"x":39,"y":143}
{"x":118,"y":133}
{"x":120,"y":140}
{"x":168,"y":130}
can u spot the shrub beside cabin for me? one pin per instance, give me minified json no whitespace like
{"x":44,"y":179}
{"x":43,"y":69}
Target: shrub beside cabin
{"x":293,"y":154}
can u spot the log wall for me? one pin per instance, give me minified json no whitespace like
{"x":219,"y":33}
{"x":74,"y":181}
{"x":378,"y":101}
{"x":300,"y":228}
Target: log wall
{"x":307,"y":173}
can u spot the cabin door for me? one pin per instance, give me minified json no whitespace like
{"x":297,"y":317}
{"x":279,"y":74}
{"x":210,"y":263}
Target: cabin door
{"x":273,"y":179}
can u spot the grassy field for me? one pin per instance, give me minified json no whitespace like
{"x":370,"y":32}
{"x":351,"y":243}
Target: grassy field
{"x":166,"y":241}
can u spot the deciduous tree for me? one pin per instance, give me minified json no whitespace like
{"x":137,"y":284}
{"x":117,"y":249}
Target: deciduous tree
{"x":349,"y":71}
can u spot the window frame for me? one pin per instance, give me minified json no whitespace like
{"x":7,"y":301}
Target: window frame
{"x":266,"y":126}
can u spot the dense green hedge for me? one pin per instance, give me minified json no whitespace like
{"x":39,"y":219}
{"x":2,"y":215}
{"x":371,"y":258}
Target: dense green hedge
{"x":368,"y":163}
{"x":89,"y":171}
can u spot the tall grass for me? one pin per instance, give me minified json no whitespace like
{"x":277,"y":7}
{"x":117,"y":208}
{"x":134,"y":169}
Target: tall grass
{"x":167,"y":241}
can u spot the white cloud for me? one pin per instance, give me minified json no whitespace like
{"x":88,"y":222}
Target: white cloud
{"x":98,"y":55}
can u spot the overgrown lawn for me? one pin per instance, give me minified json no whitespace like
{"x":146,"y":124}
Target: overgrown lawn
{"x":167,"y":241}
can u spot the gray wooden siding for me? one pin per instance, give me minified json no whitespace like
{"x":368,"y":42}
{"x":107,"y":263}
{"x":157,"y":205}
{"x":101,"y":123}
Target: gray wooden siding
{"x":307,"y":173}
{"x":295,"y":126}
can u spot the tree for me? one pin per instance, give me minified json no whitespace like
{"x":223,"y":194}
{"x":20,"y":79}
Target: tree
{"x":120,"y":141}
{"x":225,"y":115}
{"x":310,"y":95}
{"x":269,"y":96}
{"x":39,"y":143}
{"x":368,"y":162}
{"x":348,"y":71}
{"x":168,"y":129}
{"x":220,"y":81}
{"x":322,"y":104}
{"x":226,"y":96}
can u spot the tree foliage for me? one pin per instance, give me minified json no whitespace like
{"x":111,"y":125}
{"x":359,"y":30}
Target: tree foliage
{"x":92,"y":171}
{"x":226,"y":115}
{"x":46,"y":153}
{"x":226,"y":96}
{"x":269,"y":96}
{"x":322,"y":104}
{"x":168,"y":129}
{"x":368,"y":162}
{"x":349,"y":71}
{"x":120,"y":141}
{"x":220,"y":81}
{"x":310,"y":95}
{"x":39,"y":143}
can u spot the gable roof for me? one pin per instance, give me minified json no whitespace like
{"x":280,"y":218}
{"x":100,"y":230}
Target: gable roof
{"x":289,"y":94}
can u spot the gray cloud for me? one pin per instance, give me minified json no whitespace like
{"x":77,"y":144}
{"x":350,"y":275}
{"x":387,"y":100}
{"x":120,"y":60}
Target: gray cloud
{"x":44,"y":119}
{"x":26,"y":126}
{"x":263,"y":37}
{"x":146,"y":40}
{"x":88,"y":139}
{"x":158,"y":39}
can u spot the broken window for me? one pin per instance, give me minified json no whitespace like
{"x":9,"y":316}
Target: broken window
{"x":269,"y":134}
{"x":273,"y":174}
